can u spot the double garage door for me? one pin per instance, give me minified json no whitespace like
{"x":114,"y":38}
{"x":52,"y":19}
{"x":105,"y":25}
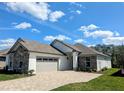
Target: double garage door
{"x":46,"y":64}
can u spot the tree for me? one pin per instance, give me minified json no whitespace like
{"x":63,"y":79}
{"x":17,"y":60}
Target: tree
{"x":114,"y":58}
{"x":116,"y":53}
{"x":120,"y":56}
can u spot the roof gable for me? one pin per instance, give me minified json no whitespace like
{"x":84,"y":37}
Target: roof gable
{"x":34,"y":46}
{"x":15,"y":46}
{"x":3,"y":52}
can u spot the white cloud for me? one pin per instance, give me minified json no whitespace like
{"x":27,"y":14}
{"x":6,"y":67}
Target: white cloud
{"x":78,"y":12}
{"x":79,"y":41}
{"x":114,"y":40}
{"x":116,"y":33}
{"x":76,"y":4}
{"x":75,"y":11}
{"x":107,"y":36}
{"x":23,"y":25}
{"x":38,"y":10}
{"x":6,"y":43}
{"x":93,"y":45}
{"x":95,"y":32}
{"x":14,"y":23}
{"x":59,"y":37}
{"x":98,"y":33}
{"x":54,"y":16}
{"x":35,"y":30}
{"x":89,"y":27}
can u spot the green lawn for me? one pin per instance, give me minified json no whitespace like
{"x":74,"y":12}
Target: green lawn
{"x":105,"y":82}
{"x":9,"y":76}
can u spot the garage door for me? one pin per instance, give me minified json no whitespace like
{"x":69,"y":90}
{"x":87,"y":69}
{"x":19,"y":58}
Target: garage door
{"x":46,"y":64}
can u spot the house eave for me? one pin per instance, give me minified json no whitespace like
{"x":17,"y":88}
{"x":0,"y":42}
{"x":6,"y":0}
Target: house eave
{"x":45,"y":52}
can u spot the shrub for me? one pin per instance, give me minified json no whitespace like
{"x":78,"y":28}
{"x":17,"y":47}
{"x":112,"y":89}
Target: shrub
{"x":31,"y":72}
{"x":94,"y":70}
{"x":103,"y":69}
{"x":88,"y":70}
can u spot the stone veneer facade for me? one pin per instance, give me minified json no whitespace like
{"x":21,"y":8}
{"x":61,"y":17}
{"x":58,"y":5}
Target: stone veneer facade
{"x":20,"y":55}
{"x":82,"y":62}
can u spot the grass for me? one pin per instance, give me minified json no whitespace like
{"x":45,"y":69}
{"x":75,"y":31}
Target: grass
{"x":106,"y":82}
{"x":9,"y":76}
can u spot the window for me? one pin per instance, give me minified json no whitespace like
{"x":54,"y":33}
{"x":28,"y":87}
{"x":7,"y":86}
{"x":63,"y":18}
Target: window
{"x":87,"y":58}
{"x":39,"y":59}
{"x":20,"y":65}
{"x":87,"y":61}
{"x":55,"y":59}
{"x":2,"y":58}
{"x":87,"y":64}
{"x":51,"y":59}
{"x":46,"y":59}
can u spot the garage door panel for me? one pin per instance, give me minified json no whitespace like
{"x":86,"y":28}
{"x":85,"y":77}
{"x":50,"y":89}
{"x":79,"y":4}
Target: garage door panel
{"x":46,"y":66}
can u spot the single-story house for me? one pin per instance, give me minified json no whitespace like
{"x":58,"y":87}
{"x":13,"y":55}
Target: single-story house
{"x":27,"y":55}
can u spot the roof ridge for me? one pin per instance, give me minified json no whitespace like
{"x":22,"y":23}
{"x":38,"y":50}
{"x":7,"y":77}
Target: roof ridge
{"x":35,"y":41}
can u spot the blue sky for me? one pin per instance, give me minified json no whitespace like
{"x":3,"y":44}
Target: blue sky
{"x":87,"y":23}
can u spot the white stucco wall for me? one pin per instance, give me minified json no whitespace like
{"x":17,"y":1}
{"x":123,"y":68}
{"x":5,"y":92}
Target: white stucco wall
{"x":32,"y":63}
{"x":7,"y":59}
{"x":8,"y":62}
{"x":63,"y":64}
{"x":103,"y":62}
{"x":75,"y":60}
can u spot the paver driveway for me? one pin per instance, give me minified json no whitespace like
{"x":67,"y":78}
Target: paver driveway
{"x":47,"y":80}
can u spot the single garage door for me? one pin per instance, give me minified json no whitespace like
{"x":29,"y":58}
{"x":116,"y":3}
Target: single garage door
{"x":46,"y":64}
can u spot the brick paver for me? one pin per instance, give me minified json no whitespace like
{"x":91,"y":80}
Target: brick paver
{"x":46,"y":80}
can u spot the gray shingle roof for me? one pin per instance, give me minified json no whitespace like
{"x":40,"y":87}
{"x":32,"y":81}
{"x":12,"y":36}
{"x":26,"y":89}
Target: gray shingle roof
{"x":38,"y":47}
{"x":35,"y":46}
{"x":87,"y":51}
{"x":3,"y":52}
{"x":68,"y":45}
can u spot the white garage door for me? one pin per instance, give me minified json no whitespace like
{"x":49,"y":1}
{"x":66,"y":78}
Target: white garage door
{"x":46,"y":64}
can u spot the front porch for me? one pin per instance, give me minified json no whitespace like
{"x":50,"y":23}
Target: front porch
{"x":87,"y":63}
{"x":82,"y":62}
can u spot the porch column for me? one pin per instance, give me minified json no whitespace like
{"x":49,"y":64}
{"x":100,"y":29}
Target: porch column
{"x":32,"y":63}
{"x":75,"y":60}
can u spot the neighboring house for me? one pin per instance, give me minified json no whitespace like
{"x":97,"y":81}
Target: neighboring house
{"x":3,"y":58}
{"x":28,"y":55}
